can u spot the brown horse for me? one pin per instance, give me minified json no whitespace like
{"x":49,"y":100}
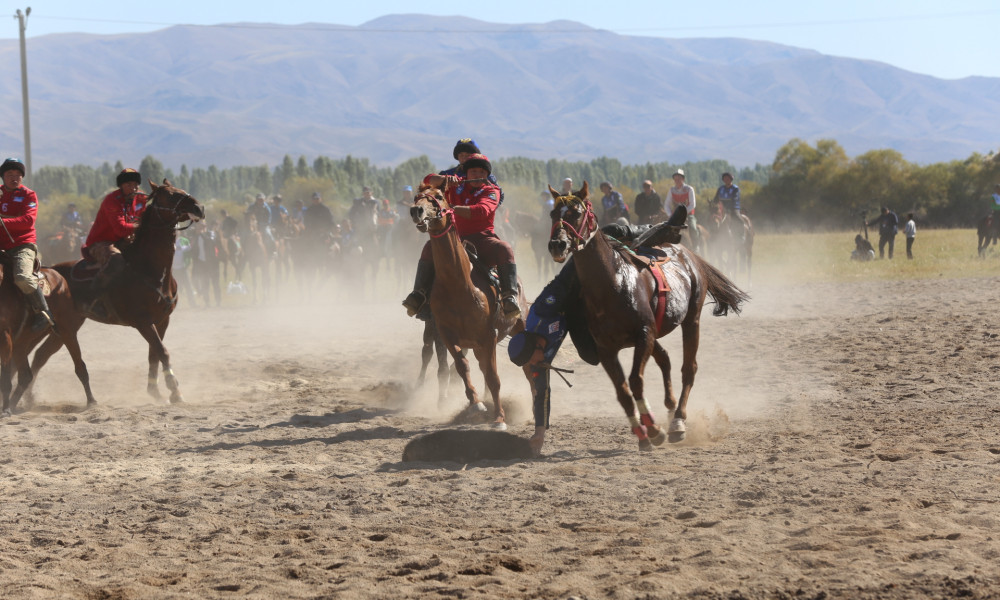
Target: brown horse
{"x":732,"y":243}
{"x":17,"y":339}
{"x":628,"y":305}
{"x":145,"y":294}
{"x":987,"y":233}
{"x":464,"y":304}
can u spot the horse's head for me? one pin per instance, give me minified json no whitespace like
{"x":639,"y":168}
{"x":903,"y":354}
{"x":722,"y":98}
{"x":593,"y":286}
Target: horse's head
{"x":573,"y":223}
{"x":430,"y":211}
{"x":171,"y":206}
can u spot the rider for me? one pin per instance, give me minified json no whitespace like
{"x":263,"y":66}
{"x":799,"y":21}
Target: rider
{"x":648,"y":204}
{"x":474,"y":201}
{"x":116,"y":222}
{"x":995,"y":198}
{"x":362,"y":212}
{"x":262,"y":212}
{"x":613,"y":203}
{"x":558,"y":309}
{"x":682,"y":194}
{"x":279,"y":214}
{"x":729,"y":195}
{"x":18,"y":209}
{"x":71,"y":219}
{"x":465,"y":148}
{"x":317,"y":220}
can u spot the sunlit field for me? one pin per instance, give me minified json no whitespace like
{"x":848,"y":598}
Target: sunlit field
{"x":812,"y":257}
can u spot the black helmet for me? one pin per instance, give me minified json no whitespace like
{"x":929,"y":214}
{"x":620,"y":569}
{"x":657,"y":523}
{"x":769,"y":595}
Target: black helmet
{"x":12,"y":163}
{"x":477,"y":160}
{"x":128,"y":175}
{"x":465,"y":145}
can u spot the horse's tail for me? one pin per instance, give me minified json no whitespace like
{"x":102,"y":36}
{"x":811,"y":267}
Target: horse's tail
{"x":725,"y":293}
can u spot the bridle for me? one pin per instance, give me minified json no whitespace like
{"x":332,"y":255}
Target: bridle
{"x":167,"y":222}
{"x":588,"y":227}
{"x":446,"y":213}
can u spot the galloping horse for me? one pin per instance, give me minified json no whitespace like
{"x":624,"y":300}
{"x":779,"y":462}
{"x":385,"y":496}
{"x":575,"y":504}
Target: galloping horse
{"x":17,"y":339}
{"x":464,"y":303}
{"x":631,"y":302}
{"x":732,"y":243}
{"x":145,"y":294}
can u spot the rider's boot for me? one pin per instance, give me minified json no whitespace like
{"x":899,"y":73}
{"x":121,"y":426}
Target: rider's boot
{"x":43,"y":316}
{"x":508,"y":290}
{"x":738,"y":221}
{"x":667,"y":232}
{"x":421,"y":287}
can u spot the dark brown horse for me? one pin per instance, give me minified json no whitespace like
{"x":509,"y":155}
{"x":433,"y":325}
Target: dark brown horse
{"x":17,"y":340}
{"x":732,"y":242}
{"x":464,"y":303}
{"x":626,"y":306}
{"x":145,"y":294}
{"x":987,"y":232}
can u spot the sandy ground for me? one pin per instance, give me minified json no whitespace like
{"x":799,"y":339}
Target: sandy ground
{"x":843,"y":444}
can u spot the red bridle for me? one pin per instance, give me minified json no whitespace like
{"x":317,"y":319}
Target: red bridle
{"x":588,"y":225}
{"x":448,"y":214}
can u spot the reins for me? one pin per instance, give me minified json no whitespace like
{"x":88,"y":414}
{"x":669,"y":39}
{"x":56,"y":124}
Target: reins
{"x":448,"y":214}
{"x":589,"y":224}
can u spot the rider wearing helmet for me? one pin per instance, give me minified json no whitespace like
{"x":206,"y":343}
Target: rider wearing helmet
{"x":474,"y":200}
{"x":465,"y":148}
{"x":18,"y":208}
{"x":115,"y":224}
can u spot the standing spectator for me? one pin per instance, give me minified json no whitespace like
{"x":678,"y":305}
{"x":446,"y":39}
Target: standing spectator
{"x":614,"y":205}
{"x":205,"y":262}
{"x":648,"y":205}
{"x":888,"y":227}
{"x":317,"y":219}
{"x":911,"y":233}
{"x":181,"y":272}
{"x":405,"y":202}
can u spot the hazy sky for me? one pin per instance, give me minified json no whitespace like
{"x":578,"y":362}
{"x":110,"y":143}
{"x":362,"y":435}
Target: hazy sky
{"x":951,"y":39}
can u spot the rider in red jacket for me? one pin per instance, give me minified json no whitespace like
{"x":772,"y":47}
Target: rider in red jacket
{"x":116,"y":222}
{"x":474,"y":201}
{"x":18,"y":207}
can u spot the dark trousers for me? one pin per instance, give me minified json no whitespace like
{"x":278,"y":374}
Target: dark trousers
{"x":882,"y":241}
{"x":909,"y":247}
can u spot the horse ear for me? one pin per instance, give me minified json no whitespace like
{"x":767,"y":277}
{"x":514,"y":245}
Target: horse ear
{"x":167,"y":183}
{"x":152,"y":186}
{"x":584,"y":192}
{"x":554,"y":193}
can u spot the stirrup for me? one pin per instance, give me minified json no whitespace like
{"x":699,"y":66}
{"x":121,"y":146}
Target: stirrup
{"x":42,"y":321}
{"x":414,"y":302}
{"x":510,"y":307}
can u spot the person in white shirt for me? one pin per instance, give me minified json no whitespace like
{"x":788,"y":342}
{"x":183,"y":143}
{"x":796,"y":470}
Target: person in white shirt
{"x":911,"y":233}
{"x":682,"y":194}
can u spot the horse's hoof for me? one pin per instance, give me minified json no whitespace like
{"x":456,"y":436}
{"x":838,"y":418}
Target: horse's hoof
{"x":500,"y":426}
{"x":678,"y":431}
{"x":659,"y":438}
{"x":477,"y":407}
{"x":677,"y":436}
{"x":645,"y":445}
{"x":5,"y":414}
{"x":177,"y":399}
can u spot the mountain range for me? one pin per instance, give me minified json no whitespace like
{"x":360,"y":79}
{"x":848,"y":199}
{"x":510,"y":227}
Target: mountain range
{"x":406,"y":85}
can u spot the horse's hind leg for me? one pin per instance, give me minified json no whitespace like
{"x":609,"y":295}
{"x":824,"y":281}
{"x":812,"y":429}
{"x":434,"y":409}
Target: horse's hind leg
{"x":462,"y":366}
{"x":663,"y":361}
{"x":79,"y":367}
{"x":690,"y":332}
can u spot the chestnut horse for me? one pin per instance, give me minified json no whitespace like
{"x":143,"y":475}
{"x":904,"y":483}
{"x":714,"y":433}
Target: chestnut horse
{"x":144,"y":295}
{"x":626,"y":307}
{"x":464,"y":304}
{"x":17,"y":339}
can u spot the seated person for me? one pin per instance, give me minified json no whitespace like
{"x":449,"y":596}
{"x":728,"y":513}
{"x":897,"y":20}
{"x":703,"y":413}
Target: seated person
{"x":863,"y":249}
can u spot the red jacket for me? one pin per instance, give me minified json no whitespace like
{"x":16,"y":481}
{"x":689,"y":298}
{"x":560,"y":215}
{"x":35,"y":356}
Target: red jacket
{"x":117,"y":218}
{"x":18,"y":209}
{"x":483,"y":201}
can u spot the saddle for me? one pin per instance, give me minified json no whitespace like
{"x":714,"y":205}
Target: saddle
{"x":650,"y":258}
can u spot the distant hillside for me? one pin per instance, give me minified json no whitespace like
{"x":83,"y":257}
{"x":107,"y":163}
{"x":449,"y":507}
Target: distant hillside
{"x":406,"y":85}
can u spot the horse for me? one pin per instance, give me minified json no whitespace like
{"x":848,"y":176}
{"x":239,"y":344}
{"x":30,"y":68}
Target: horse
{"x":536,"y":231}
{"x":465,"y":305}
{"x":987,"y":234}
{"x":257,"y":259}
{"x":17,"y":339}
{"x":631,"y":302}
{"x":144,"y":295}
{"x":61,"y":246}
{"x":732,"y":244}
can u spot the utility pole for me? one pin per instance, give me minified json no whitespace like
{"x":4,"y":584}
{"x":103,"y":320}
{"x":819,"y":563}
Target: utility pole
{"x":21,"y":18}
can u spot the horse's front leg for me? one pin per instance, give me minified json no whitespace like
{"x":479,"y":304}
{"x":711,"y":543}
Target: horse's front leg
{"x":158,"y":355}
{"x":643,"y":348}
{"x":609,"y":360}
{"x":6,"y":375}
{"x":462,"y":366}
{"x":690,"y":332}
{"x":488,"y":365}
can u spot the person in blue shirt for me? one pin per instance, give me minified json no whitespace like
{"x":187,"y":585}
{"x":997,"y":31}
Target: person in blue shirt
{"x":614,"y":205}
{"x":559,"y":310}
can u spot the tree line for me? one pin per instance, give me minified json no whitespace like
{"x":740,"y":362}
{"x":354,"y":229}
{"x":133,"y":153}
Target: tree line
{"x":806,"y":186}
